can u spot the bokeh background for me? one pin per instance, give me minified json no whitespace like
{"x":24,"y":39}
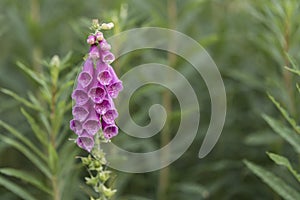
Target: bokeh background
{"x":249,"y":42}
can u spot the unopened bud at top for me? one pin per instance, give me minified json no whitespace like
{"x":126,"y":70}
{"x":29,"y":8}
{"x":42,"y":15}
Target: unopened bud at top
{"x":107,"y":26}
{"x":95,"y":24}
{"x":99,"y":36}
{"x":55,"y":61}
{"x":91,"y":39}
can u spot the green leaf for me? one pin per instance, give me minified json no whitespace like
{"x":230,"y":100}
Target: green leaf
{"x":281,"y":160}
{"x":34,"y":100}
{"x":25,"y":151}
{"x":289,"y":135}
{"x":45,"y":122}
{"x":298,"y":87}
{"x":64,"y":87}
{"x":65,"y":61}
{"x":292,"y":61}
{"x":295,"y":71}
{"x":36,"y":77}
{"x":21,"y":137}
{"x":262,"y":138}
{"x":53,"y":158}
{"x":20,"y":99}
{"x":285,"y":114}
{"x":37,"y":130}
{"x":27,"y":177}
{"x":276,"y":183}
{"x":56,"y":120}
{"x":14,"y":188}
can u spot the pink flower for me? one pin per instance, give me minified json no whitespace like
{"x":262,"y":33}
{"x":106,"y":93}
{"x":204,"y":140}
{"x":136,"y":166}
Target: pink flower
{"x":97,"y":84}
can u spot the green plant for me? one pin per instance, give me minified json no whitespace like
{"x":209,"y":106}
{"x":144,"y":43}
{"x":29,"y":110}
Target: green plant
{"x":291,"y":134}
{"x":51,"y":155}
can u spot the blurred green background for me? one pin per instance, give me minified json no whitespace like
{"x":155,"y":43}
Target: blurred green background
{"x":249,"y":42}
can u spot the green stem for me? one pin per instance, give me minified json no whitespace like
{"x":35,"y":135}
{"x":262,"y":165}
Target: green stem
{"x":167,"y":103}
{"x":56,"y":194}
{"x":287,"y":76}
{"x":36,"y":58}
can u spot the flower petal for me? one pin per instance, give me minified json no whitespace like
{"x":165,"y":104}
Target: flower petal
{"x":108,"y":57}
{"x":86,"y":76}
{"x":104,"y":106}
{"x":97,"y":93}
{"x":80,"y":113}
{"x":110,"y":116}
{"x":109,"y":130}
{"x":92,"y":124}
{"x":76,"y":126}
{"x":80,"y":96}
{"x":94,"y":52}
{"x":86,"y":142}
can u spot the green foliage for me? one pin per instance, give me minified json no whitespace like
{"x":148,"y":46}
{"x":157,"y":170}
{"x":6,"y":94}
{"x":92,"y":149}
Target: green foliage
{"x":46,"y":120}
{"x":292,"y":136}
{"x":276,"y":183}
{"x":246,"y":39}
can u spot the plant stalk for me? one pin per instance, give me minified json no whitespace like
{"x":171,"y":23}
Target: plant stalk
{"x":287,"y":76}
{"x":164,"y":174}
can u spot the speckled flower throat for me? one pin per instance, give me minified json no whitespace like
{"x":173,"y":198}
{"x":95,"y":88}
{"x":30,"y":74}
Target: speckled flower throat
{"x":97,"y":85}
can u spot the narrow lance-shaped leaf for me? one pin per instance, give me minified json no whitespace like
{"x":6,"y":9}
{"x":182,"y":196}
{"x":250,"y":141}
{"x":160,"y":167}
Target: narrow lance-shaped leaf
{"x":27,"y":177}
{"x":14,"y":188}
{"x":295,"y":71}
{"x":276,"y":183}
{"x":298,"y":88}
{"x":25,"y":151}
{"x":53,"y":158}
{"x":58,"y":117}
{"x":285,"y":114}
{"x":21,"y":137}
{"x":37,"y":130}
{"x":20,"y":99}
{"x":290,"y":136}
{"x":281,"y":160}
{"x":62,"y":90}
{"x":45,"y":122}
{"x":34,"y":100}
{"x":36,"y":77}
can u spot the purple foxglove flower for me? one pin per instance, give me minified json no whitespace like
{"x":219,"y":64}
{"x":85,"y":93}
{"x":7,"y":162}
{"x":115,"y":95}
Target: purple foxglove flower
{"x":107,"y":57}
{"x":80,"y":113}
{"x":104,"y":46}
{"x":104,"y":106}
{"x":85,"y":141}
{"x":103,"y":74}
{"x":99,"y":36}
{"x":94,"y":108}
{"x":91,"y":39}
{"x":109,"y":130}
{"x":94,"y":52}
{"x":92,"y":123}
{"x":115,"y":85}
{"x":114,"y":89}
{"x":86,"y":76}
{"x":110,"y":116}
{"x":80,"y":96}
{"x":76,"y":126}
{"x":97,"y":93}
